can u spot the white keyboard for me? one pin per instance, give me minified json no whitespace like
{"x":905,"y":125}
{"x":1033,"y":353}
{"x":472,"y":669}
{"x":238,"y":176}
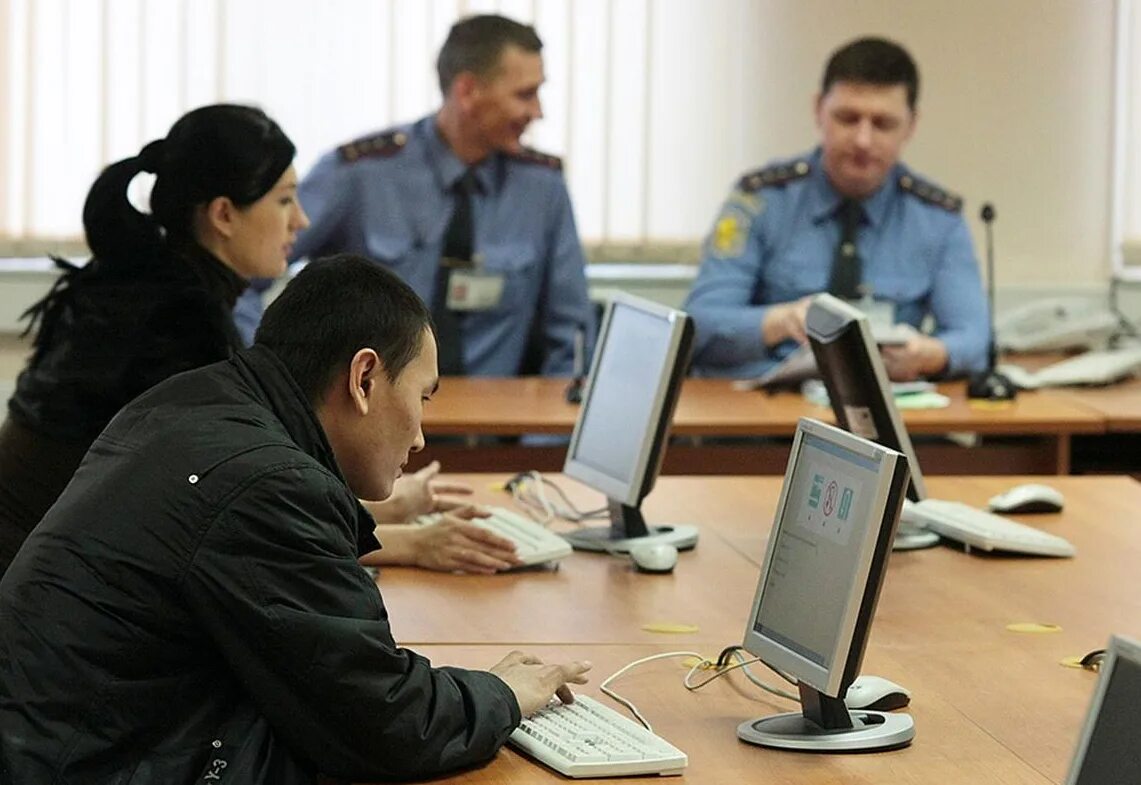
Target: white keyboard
{"x":978,"y":529}
{"x":1096,"y":368}
{"x":589,"y":739}
{"x":534,"y":543}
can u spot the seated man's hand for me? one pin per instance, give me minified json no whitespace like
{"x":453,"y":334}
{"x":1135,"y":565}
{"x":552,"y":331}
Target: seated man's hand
{"x":534,"y":683}
{"x":453,"y":544}
{"x":786,"y":320}
{"x":421,"y":493}
{"x":922,"y":355}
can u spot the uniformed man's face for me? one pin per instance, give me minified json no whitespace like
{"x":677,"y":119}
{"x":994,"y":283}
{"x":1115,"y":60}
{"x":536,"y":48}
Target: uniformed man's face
{"x":863,"y":129}
{"x":504,"y":104}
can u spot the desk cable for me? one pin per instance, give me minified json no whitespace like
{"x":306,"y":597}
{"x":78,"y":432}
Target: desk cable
{"x":528,"y":489}
{"x":721,"y":665}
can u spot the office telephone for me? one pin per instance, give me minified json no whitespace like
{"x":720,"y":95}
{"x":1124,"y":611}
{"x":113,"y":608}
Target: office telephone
{"x":1056,"y":323}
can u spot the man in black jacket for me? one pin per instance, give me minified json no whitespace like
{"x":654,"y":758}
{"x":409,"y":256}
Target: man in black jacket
{"x":192,"y":608}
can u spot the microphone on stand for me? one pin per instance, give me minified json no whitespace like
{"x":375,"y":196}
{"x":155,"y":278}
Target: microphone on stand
{"x":989,"y":384}
{"x":574,"y":390}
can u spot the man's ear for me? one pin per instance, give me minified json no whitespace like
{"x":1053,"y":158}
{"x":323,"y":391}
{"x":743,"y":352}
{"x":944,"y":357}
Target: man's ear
{"x":914,"y":121}
{"x":220,"y":215}
{"x":465,"y":88}
{"x":817,"y":109}
{"x":366,"y":371}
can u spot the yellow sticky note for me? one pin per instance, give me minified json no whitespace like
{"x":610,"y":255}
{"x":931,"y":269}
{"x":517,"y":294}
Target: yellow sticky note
{"x":1071,"y":662}
{"x":669,"y":627}
{"x":1033,"y":627}
{"x":990,"y":406}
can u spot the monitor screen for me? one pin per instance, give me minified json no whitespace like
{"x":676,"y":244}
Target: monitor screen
{"x":620,"y":437}
{"x":853,"y":373}
{"x":1108,"y":750}
{"x":826,"y":553}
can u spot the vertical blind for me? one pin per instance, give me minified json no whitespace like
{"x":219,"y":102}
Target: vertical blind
{"x":1125,"y":220}
{"x":628,"y":92}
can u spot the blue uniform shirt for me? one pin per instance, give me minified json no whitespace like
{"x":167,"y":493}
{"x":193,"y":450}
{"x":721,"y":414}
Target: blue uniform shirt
{"x":775,"y":240}
{"x":388,"y":197}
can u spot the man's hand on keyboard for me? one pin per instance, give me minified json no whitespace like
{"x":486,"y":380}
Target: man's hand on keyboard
{"x":455,"y":544}
{"x":534,"y":682}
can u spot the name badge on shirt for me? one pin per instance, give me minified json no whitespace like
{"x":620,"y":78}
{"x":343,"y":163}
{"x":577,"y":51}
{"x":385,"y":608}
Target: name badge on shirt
{"x":474,"y":290}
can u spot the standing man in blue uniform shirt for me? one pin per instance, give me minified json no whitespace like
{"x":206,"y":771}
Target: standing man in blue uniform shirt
{"x":850,"y":219}
{"x":478,"y":225}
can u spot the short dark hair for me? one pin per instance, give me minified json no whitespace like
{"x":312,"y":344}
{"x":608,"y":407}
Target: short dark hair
{"x":334,"y":308}
{"x":876,"y":61}
{"x":475,"y":43}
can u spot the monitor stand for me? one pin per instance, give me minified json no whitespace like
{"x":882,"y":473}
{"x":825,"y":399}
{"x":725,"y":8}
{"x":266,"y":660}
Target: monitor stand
{"x":628,"y":528}
{"x":826,"y":725}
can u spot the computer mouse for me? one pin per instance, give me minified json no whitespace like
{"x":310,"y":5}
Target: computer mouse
{"x":654,"y":556}
{"x":1030,"y":497}
{"x":876,"y":694}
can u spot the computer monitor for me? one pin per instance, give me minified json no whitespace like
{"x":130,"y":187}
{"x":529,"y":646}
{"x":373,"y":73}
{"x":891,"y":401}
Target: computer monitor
{"x":860,"y":393}
{"x":1107,"y":750}
{"x":821,"y":578}
{"x":639,"y":363}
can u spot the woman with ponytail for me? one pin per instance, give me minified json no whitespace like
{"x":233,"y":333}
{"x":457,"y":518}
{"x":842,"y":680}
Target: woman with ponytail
{"x":154,"y":300}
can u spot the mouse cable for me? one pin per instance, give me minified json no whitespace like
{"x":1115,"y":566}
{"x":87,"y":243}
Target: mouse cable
{"x":721,"y":664}
{"x":529,"y":492}
{"x":723,"y":667}
{"x":602,"y":686}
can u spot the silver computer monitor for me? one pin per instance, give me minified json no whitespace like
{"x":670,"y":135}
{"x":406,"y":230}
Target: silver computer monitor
{"x":1108,"y":750}
{"x":818,"y":588}
{"x":620,"y":438}
{"x":859,"y":391}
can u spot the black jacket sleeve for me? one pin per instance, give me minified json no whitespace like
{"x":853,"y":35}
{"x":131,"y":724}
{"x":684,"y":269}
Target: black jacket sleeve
{"x":276,"y":585}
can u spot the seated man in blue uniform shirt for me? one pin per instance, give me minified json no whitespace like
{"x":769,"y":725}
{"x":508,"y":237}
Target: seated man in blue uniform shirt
{"x":479,"y":226}
{"x":850,"y":219}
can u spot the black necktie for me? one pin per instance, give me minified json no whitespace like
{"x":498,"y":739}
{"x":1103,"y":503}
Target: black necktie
{"x":846,"y":269}
{"x":458,"y":241}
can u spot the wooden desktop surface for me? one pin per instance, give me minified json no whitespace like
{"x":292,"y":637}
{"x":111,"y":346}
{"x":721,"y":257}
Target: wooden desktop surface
{"x":1030,"y":435}
{"x":710,"y":407}
{"x":1119,"y":404}
{"x":990,"y":705}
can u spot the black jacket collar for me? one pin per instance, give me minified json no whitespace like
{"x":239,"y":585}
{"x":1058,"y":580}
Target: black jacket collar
{"x":271,"y":380}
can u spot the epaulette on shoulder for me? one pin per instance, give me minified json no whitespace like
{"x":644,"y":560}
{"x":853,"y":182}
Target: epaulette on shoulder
{"x":383,"y":145}
{"x":778,"y":174}
{"x":528,"y":156}
{"x":931,"y":193}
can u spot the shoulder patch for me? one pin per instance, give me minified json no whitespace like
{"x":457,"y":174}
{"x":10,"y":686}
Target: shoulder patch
{"x":931,"y":193}
{"x":383,"y":145}
{"x":777,"y":175}
{"x":528,"y":156}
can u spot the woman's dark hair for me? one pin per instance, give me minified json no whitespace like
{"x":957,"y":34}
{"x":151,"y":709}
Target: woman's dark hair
{"x":334,"y":308}
{"x":218,"y":150}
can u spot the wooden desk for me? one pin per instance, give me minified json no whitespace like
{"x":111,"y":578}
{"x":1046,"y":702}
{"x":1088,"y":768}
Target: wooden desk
{"x":949,"y":748}
{"x":990,"y":705}
{"x":1031,"y":435}
{"x":1119,"y":404}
